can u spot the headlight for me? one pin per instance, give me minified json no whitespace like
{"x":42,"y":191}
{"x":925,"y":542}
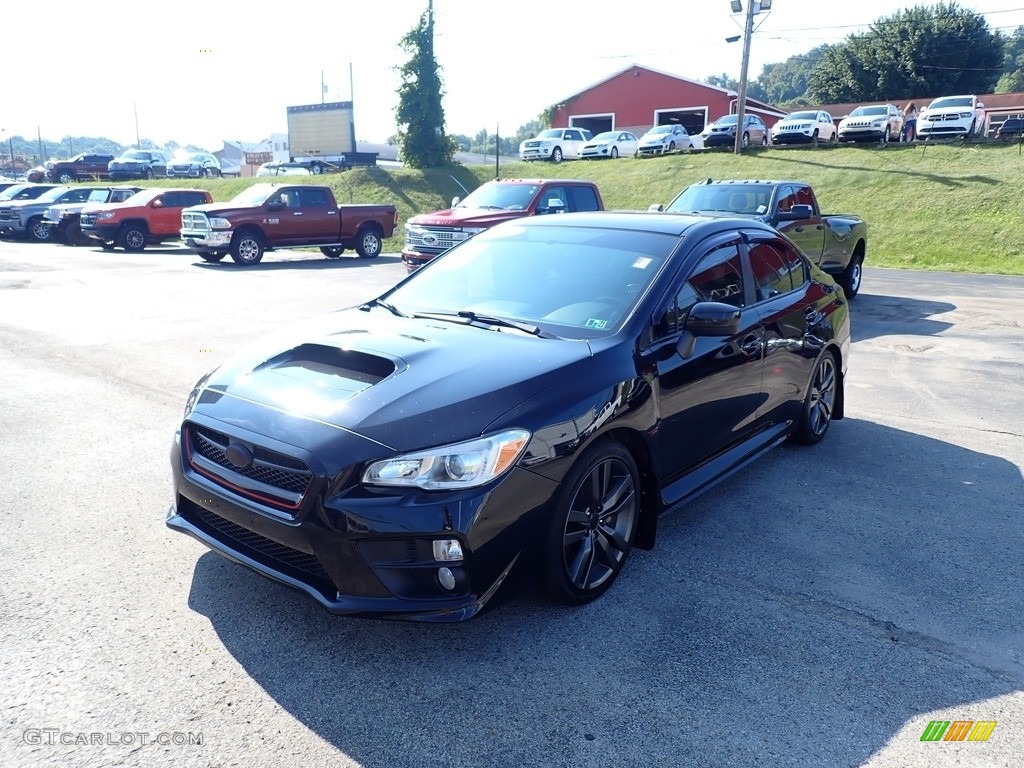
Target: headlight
{"x":219,"y":223}
{"x":193,"y":396}
{"x":463,"y":465}
{"x":105,"y":215}
{"x":473,"y":230}
{"x":545,"y":144}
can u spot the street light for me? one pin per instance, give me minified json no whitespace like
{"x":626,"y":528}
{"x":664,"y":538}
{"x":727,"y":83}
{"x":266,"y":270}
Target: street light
{"x":753,"y":7}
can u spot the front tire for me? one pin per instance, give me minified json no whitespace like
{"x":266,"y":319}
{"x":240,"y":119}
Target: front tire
{"x":38,"y":231}
{"x":745,"y":141}
{"x":615,"y":153}
{"x":247,"y":249}
{"x":132,"y":238}
{"x":316,"y":169}
{"x":66,"y":177}
{"x":819,"y":403}
{"x":595,"y":522}
{"x":369,"y":244}
{"x":556,"y":155}
{"x":887,"y":136}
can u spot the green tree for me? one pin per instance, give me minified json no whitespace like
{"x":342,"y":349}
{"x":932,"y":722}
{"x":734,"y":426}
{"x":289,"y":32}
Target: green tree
{"x":786,"y":82}
{"x":916,"y":52}
{"x":1012,"y":78}
{"x":723,"y":81}
{"x":420,"y":113}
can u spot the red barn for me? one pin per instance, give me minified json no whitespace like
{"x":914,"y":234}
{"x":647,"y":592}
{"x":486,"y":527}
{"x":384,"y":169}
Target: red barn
{"x":637,"y":98}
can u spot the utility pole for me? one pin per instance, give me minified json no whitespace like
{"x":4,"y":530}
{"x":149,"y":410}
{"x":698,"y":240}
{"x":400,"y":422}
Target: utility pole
{"x":741,"y":96}
{"x":497,"y":149}
{"x":138,"y":141}
{"x":323,"y":88}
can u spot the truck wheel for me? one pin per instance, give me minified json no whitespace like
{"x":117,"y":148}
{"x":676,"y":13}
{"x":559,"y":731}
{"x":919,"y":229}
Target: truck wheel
{"x":556,"y":155}
{"x":850,"y":277}
{"x":66,"y":177}
{"x":211,"y":256}
{"x":746,"y":140}
{"x":38,"y":231}
{"x":246,"y":249}
{"x":316,"y":169}
{"x":132,"y":238}
{"x":369,"y":244}
{"x":332,"y":251}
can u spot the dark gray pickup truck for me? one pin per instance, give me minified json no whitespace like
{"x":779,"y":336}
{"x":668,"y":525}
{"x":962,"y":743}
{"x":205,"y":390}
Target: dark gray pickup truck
{"x":837,"y":243}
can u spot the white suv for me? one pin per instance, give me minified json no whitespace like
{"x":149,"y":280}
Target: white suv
{"x":555,"y":144}
{"x":807,"y":127}
{"x":951,"y":116}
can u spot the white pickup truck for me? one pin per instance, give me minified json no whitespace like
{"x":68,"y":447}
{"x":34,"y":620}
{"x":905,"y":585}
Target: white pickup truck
{"x":555,"y":144}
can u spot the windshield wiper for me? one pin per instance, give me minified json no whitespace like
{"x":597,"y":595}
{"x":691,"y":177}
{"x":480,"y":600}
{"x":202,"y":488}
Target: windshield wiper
{"x":501,"y":322}
{"x":492,"y":207}
{"x":381,"y":303}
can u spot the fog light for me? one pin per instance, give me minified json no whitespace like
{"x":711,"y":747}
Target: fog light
{"x":447,"y":578}
{"x":447,"y":551}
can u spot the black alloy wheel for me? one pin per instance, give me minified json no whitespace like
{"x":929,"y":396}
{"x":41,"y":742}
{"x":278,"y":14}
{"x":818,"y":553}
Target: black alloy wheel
{"x":820,"y":401}
{"x":594,"y":524}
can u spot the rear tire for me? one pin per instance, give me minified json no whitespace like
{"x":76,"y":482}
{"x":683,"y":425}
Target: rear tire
{"x":247,"y":249}
{"x":820,"y":402}
{"x":369,"y":244}
{"x":595,"y":521}
{"x":316,"y":169}
{"x":332,"y":251}
{"x":851,"y":277}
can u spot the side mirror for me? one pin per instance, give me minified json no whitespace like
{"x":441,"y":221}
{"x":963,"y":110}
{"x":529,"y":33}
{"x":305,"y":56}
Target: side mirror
{"x":713,"y":318}
{"x":796,"y":212}
{"x":655,"y":208}
{"x":555,"y":205}
{"x":158,"y":203}
{"x":456,"y":200}
{"x":980,"y":105}
{"x":277,"y":205}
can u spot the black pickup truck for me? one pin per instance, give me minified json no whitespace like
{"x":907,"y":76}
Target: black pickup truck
{"x":837,"y":243}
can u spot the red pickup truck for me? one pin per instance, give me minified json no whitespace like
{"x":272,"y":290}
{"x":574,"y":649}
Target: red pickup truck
{"x":431,"y":234}
{"x":266,"y":217}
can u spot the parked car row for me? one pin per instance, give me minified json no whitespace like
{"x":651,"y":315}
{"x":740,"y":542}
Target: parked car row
{"x":950,"y":116}
{"x":132,"y":164}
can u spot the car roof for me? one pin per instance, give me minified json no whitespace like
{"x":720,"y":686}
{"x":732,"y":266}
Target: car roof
{"x":773,"y":182}
{"x":659,"y":223}
{"x":543,"y":181}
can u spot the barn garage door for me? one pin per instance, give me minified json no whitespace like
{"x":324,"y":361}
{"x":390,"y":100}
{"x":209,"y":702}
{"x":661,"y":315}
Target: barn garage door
{"x":693,"y":119}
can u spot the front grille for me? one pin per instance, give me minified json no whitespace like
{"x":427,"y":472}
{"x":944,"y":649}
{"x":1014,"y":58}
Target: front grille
{"x":532,"y":144}
{"x":267,"y":551}
{"x":434,"y":239}
{"x":273,"y":478}
{"x":87,"y":219}
{"x":195,"y":222}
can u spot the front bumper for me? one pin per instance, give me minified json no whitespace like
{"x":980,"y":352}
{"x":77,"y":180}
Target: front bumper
{"x":125,"y":174}
{"x":217,"y":239}
{"x":862,"y":134}
{"x":652,"y":149}
{"x":367,"y":552}
{"x":720,"y":140}
{"x":413,"y":260}
{"x":12,"y":226}
{"x":792,"y":137}
{"x":194,"y":173}
{"x":104,"y":233}
{"x":536,"y":153}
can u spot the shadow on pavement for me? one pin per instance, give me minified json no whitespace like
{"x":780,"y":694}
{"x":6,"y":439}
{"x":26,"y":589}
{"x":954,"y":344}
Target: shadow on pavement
{"x":873,"y":316}
{"x":799,"y":614}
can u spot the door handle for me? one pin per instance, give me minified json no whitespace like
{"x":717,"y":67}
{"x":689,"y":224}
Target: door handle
{"x":813,"y":315}
{"x":751,"y":346}
{"x":820,"y":226}
{"x":798,"y":229}
{"x":297,"y":213}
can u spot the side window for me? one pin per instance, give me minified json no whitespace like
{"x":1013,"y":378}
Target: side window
{"x":574,"y":136}
{"x":796,"y":264}
{"x":78,"y":196}
{"x":553,"y":193}
{"x":167,"y":200}
{"x":804,"y":196}
{"x":771,"y":271}
{"x":787,"y":198}
{"x":671,"y":321}
{"x":193,"y":198}
{"x":582,"y":199}
{"x":719,"y":277}
{"x":314,"y":198}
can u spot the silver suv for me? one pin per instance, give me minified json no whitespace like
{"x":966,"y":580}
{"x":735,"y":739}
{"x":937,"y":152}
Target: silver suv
{"x":194,"y":164}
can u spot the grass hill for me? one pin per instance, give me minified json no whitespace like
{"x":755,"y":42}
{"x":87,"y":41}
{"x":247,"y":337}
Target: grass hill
{"x":942,"y":206}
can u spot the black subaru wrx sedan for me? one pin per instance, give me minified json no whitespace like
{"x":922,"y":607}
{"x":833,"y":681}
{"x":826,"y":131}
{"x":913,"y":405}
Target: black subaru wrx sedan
{"x":525,"y":406}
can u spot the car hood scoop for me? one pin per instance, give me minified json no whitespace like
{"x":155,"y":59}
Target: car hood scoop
{"x":405,"y":383}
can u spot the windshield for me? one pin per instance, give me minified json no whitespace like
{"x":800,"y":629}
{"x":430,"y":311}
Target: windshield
{"x":952,"y":101}
{"x":191,"y":157}
{"x":52,"y":195}
{"x":869,"y":112}
{"x":508,"y":197}
{"x":726,"y":120}
{"x":257,"y":194}
{"x":98,"y":196}
{"x":553,"y":133}
{"x":142,"y":197}
{"x":607,"y":136}
{"x":749,"y":199}
{"x":135,"y":155}
{"x":576,"y":282}
{"x":803,"y":116}
{"x":11,"y":192}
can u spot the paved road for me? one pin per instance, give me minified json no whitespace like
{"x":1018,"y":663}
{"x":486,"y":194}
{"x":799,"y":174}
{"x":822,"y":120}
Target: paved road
{"x":819,"y":609}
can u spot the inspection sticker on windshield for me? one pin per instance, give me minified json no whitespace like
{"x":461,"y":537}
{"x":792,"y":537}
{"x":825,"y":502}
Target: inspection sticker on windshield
{"x":593,"y":323}
{"x":641,"y":263}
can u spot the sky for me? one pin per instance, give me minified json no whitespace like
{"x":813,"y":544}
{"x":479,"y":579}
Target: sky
{"x":203,"y":74}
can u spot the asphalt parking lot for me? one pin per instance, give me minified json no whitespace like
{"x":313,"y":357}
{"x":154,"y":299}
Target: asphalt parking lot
{"x":818,"y":609}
